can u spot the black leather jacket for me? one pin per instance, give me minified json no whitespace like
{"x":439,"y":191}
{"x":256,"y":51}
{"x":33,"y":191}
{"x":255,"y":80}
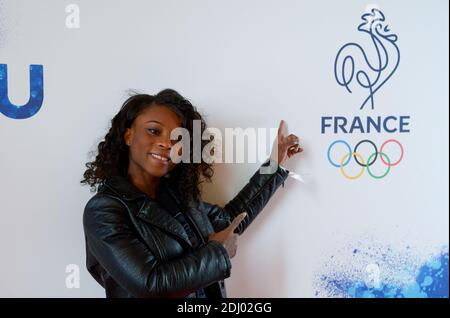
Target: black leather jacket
{"x":135,"y":248}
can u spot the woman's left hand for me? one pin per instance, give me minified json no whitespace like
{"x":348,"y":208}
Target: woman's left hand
{"x":288,"y":146}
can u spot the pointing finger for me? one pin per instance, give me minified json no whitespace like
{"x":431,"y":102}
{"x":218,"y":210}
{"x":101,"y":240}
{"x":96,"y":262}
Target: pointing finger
{"x":236,"y":221}
{"x":282,"y":128}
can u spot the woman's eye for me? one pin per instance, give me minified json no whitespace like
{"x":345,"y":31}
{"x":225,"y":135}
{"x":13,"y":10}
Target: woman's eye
{"x":153,"y":131}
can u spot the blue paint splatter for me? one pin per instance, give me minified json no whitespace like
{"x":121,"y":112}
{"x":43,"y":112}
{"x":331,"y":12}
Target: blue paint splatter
{"x":430,"y":282}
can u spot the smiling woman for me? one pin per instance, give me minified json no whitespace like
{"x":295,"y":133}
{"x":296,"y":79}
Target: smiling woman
{"x":149,"y":141}
{"x":148,"y":233}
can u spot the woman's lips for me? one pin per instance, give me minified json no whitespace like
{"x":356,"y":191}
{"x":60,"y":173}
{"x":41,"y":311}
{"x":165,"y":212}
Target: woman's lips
{"x":159,"y":158}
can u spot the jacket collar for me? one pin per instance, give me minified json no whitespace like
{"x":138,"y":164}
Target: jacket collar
{"x":124,"y":188}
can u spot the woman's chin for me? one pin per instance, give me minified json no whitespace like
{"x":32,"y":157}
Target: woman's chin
{"x":158,"y":170}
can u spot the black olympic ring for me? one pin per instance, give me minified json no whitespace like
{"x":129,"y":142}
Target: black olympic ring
{"x":375,"y":157}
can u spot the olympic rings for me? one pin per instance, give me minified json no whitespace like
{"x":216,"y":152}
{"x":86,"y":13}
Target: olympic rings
{"x":345,"y":160}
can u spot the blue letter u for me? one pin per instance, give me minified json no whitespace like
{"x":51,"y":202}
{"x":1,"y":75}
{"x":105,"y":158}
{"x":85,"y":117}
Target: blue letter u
{"x":36,"y":94}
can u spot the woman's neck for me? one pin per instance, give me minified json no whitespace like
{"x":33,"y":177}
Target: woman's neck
{"x":144,"y":182}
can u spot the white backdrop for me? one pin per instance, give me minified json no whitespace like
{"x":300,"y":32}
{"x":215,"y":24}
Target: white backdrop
{"x":244,"y":64}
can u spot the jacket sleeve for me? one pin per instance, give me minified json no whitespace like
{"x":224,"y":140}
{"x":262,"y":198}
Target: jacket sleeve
{"x":251,"y":199}
{"x":113,"y":242}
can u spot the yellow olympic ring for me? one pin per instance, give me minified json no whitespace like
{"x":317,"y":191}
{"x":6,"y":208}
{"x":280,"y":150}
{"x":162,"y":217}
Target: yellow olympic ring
{"x":341,"y":166}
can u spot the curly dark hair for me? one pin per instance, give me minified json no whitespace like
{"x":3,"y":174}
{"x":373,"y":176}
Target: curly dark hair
{"x":112,"y":158}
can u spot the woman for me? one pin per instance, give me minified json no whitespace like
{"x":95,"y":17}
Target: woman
{"x":148,"y":233}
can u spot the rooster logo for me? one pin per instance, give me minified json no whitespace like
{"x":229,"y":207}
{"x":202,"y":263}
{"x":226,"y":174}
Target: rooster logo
{"x":370,"y":75}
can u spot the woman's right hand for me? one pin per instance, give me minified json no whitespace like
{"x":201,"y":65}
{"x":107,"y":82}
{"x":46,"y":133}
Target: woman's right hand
{"x":227,"y":236}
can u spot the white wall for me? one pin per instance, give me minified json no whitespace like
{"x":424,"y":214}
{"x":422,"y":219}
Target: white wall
{"x":244,"y":64}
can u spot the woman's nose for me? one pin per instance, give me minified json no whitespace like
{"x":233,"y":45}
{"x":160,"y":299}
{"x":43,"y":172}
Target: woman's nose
{"x":164,"y":142}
